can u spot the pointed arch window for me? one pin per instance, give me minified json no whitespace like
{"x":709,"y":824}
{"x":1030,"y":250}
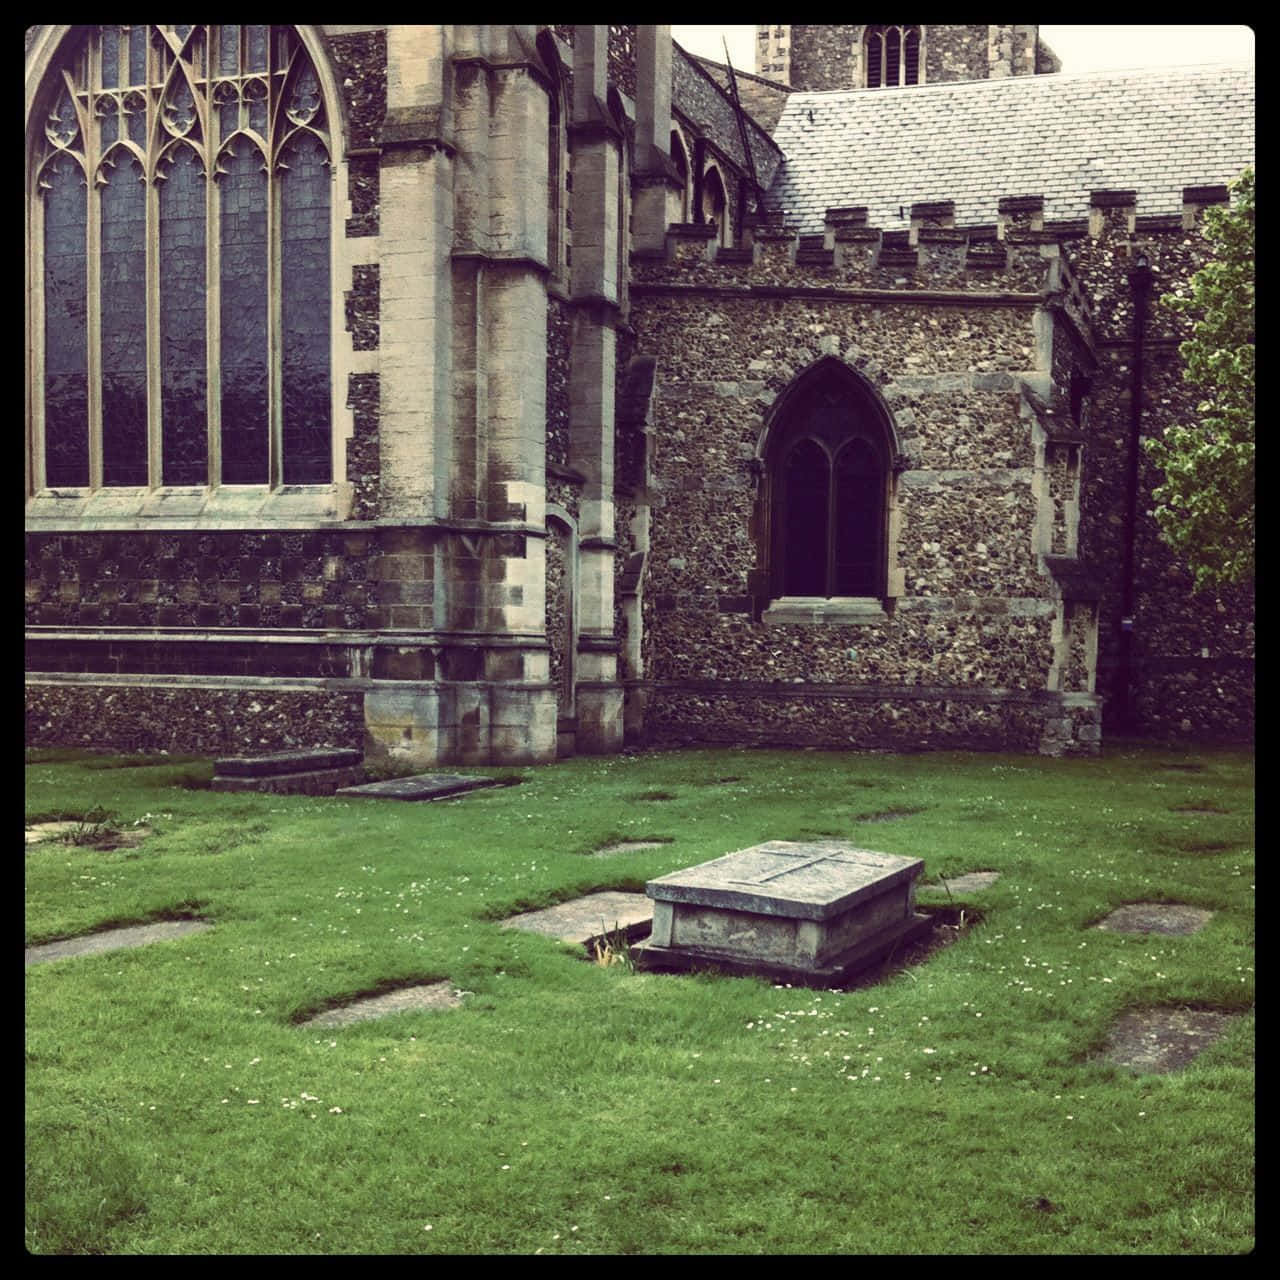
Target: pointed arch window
{"x":680,"y":159}
{"x":830,"y":472}
{"x":892,"y":56}
{"x":181,"y":231}
{"x":715,"y":205}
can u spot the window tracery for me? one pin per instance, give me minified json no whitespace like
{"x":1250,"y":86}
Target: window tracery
{"x":892,"y":56}
{"x":830,"y":468}
{"x":181,"y":224}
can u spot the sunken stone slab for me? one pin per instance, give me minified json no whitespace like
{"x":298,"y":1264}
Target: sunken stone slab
{"x":42,"y":831}
{"x":588,"y":917}
{"x":628,"y":846}
{"x":422,"y":786}
{"x":816,"y":910}
{"x":968,"y":883}
{"x":426,"y":997}
{"x":1163,"y":1040}
{"x":116,"y":939}
{"x":1156,"y":917}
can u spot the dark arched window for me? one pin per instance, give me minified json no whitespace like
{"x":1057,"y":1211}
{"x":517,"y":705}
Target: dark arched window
{"x":714,"y":204}
{"x":681,"y":162}
{"x":892,"y":56}
{"x":181,"y":216}
{"x":829,"y":466}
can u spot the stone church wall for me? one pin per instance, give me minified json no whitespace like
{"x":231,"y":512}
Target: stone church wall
{"x":963,"y":654}
{"x":1193,"y":652}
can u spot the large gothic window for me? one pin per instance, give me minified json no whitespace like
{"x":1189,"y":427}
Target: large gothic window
{"x":830,"y":465}
{"x":892,"y":56}
{"x":181,"y":234}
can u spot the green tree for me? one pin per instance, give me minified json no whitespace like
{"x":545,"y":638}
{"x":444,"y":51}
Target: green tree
{"x":1205,"y":505}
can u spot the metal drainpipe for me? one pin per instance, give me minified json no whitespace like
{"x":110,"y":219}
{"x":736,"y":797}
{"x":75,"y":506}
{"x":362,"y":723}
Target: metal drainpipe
{"x":1140,"y":285}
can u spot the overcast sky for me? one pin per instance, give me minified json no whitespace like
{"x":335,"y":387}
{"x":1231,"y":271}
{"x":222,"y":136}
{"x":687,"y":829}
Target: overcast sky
{"x":1079,"y":48}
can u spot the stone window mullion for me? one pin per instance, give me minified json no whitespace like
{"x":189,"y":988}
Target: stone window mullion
{"x":213,"y":264}
{"x":93,"y":264}
{"x":155,"y":457}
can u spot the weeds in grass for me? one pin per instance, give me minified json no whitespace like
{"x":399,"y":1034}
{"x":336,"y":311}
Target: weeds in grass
{"x":96,"y":827}
{"x":613,"y":947}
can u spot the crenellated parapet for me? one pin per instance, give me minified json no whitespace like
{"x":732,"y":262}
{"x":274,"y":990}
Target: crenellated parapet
{"x":925,"y":252}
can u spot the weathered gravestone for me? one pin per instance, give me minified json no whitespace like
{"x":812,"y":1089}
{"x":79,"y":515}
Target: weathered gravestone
{"x":422,"y":786}
{"x":811,"y":912}
{"x":316,"y":771}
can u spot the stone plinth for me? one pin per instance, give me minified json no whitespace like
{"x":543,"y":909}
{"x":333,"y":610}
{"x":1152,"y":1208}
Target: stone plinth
{"x":812,"y":911}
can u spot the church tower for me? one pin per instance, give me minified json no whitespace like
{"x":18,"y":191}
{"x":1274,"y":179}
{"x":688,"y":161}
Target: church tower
{"x":885,"y":57}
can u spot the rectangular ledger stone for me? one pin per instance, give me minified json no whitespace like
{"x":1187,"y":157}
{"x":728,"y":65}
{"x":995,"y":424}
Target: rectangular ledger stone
{"x":310,"y":782}
{"x":802,"y":910}
{"x":422,"y":786}
{"x":275,"y":763}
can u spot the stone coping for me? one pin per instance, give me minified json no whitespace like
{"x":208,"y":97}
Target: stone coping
{"x":815,"y":880}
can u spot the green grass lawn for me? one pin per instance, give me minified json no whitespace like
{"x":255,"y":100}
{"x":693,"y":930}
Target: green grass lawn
{"x":174,"y":1104}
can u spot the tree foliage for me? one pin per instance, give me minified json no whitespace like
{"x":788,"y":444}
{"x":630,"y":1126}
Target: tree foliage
{"x":1205,"y":505}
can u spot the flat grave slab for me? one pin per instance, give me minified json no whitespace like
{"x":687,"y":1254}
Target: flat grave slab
{"x":427,"y":996}
{"x":807,"y":911}
{"x":1163,"y":1040}
{"x":627,"y":846}
{"x":968,"y":883}
{"x":589,"y":917}
{"x":42,"y":831}
{"x":140,"y":935}
{"x":1156,"y":917}
{"x":421,"y":786}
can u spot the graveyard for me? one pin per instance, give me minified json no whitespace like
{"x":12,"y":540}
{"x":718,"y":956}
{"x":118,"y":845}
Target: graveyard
{"x":684,"y":1002}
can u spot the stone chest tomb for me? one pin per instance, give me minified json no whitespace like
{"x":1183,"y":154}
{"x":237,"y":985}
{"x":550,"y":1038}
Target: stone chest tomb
{"x":801,"y":911}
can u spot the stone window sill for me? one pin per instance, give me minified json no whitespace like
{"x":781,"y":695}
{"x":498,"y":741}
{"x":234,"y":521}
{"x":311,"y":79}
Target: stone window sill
{"x":229,"y":506}
{"x":818,"y":611}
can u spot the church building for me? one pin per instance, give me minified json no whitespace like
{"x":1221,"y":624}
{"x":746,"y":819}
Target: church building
{"x":487,"y":394}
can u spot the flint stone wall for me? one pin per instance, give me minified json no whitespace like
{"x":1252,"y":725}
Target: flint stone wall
{"x":196,"y":721}
{"x":976,"y":612}
{"x":1194,"y":652}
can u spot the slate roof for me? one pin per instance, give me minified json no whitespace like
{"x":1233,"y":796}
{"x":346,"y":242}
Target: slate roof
{"x":1060,"y":136}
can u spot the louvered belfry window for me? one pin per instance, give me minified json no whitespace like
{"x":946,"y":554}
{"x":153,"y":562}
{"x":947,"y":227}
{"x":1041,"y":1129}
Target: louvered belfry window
{"x":182,"y":233}
{"x":892,"y":56}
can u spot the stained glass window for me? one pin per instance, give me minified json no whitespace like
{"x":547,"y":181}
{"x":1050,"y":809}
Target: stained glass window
{"x":182,"y":211}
